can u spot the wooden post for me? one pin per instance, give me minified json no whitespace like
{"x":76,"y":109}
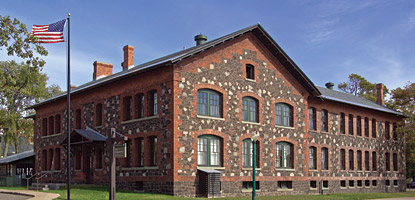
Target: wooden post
{"x":114,"y":137}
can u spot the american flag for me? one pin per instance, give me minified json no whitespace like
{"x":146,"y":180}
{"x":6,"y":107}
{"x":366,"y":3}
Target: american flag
{"x":51,"y":33}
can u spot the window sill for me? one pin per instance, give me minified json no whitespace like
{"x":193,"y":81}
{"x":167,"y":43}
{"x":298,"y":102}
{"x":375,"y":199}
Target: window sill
{"x":250,"y":80}
{"x":343,"y":170}
{"x":287,"y":170}
{"x":98,"y":126}
{"x":250,"y":168}
{"x":138,"y":168}
{"x":49,"y":136}
{"x":325,"y":132}
{"x":285,"y":189}
{"x":325,"y":170}
{"x":51,"y":171}
{"x":313,"y":189}
{"x":312,"y":131}
{"x":343,"y":188}
{"x":78,"y":170}
{"x":250,"y":190}
{"x":218,"y":168}
{"x":286,"y":127}
{"x":210,"y":117}
{"x":139,"y":119}
{"x":313,"y":170}
{"x":98,"y":170}
{"x":254,"y":123}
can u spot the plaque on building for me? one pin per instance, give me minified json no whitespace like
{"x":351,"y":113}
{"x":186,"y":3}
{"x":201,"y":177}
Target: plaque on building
{"x":119,"y":151}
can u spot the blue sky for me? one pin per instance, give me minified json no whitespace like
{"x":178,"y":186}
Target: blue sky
{"x":328,"y":40}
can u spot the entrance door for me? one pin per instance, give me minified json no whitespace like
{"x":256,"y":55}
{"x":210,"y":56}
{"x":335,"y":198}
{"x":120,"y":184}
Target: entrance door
{"x":89,"y":169}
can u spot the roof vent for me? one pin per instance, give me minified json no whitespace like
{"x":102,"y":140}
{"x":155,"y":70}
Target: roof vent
{"x":330,"y":85}
{"x":200,"y":39}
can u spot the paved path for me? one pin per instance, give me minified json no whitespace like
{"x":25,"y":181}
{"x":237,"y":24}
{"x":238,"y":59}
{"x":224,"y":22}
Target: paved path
{"x":30,"y":195}
{"x":4,"y":196}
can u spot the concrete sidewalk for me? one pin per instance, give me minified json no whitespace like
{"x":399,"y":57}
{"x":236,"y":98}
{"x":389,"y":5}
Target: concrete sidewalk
{"x":34,"y":195}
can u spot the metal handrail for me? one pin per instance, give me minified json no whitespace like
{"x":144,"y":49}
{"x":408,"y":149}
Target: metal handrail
{"x":27,"y":180}
{"x":37,"y":179}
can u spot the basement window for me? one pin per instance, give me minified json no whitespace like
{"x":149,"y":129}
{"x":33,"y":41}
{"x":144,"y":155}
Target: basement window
{"x":285,"y":185}
{"x":359,"y":183}
{"x":247,"y":185}
{"x":374,"y":183}
{"x":367,"y":183}
{"x":343,"y":184}
{"x":351,"y":183}
{"x":313,"y":184}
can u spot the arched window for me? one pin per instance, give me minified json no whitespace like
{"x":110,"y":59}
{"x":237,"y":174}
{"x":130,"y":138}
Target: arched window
{"x":209,"y":150}
{"x":209,"y":103}
{"x":285,"y":155}
{"x":283,"y":114}
{"x":249,"y":109}
{"x":247,"y":148}
{"x":324,"y":158}
{"x":312,"y":158}
{"x":324,"y":120}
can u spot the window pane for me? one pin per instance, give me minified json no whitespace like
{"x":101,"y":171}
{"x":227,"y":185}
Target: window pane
{"x":252,"y":111}
{"x":312,"y":118}
{"x":245,"y":110}
{"x":312,"y":158}
{"x":214,"y":152}
{"x":279,"y":155}
{"x":287,"y":156}
{"x":202,"y":103}
{"x":202,"y":151}
{"x":286,"y":119}
{"x":278,"y":117}
{"x":214,"y":105}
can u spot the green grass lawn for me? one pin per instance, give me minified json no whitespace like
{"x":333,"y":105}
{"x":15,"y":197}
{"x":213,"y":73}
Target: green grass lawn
{"x":83,"y":192}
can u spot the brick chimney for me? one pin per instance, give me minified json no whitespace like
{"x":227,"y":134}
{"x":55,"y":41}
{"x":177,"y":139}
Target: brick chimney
{"x":379,"y":91}
{"x":101,"y":70}
{"x":128,"y":57}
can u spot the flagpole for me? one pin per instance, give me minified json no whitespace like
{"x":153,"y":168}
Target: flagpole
{"x":68,"y":119}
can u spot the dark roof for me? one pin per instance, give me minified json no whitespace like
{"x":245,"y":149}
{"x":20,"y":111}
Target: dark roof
{"x":257,"y":29}
{"x":16,"y":157}
{"x":78,"y":135}
{"x":343,"y":97}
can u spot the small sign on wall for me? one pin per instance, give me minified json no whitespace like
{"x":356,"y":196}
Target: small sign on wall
{"x":120,"y":151}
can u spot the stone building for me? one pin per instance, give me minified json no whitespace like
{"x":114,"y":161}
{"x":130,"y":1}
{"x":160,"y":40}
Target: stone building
{"x":195,"y":110}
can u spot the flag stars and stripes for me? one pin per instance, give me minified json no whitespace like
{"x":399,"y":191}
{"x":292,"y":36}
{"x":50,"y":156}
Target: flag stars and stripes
{"x":51,"y":33}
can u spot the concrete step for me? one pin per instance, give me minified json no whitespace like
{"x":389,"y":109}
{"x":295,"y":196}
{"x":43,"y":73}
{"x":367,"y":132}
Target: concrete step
{"x":51,"y":186}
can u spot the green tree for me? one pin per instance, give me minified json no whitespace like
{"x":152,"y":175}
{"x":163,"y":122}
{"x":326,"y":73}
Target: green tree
{"x":359,"y":86}
{"x":403,"y":100}
{"x":21,"y":86}
{"x":18,"y":42}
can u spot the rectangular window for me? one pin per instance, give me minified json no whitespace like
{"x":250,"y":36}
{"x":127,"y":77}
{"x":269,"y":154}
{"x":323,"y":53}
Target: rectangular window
{"x":313,"y":184}
{"x":351,"y":160}
{"x":342,"y":159}
{"x":127,"y":108}
{"x":387,"y":131}
{"x":285,"y":185}
{"x":51,"y":125}
{"x":78,"y":120}
{"x":140,"y":151}
{"x":367,"y":183}
{"x":367,"y":166}
{"x":324,"y":120}
{"x":57,"y":159}
{"x":324,"y":158}
{"x":249,"y":109}
{"x":395,"y":162}
{"x":153,"y":150}
{"x":351,"y":125}
{"x":395,"y":182}
{"x":153,"y":103}
{"x":374,"y":183}
{"x":98,"y":115}
{"x":374,"y":161}
{"x":58,"y":124}
{"x":247,"y":185}
{"x":374,"y":132}
{"x":359,"y":160}
{"x":250,"y":72}
{"x":366,"y":127}
{"x":312,"y":118}
{"x":325,"y":184}
{"x":44,"y":160}
{"x":394,"y":133}
{"x":128,"y":153}
{"x":351,"y":183}
{"x":387,"y":161}
{"x":313,"y":158}
{"x":359,"y":183}
{"x":50,"y":161}
{"x":343,"y":184}
{"x":388,"y":183}
{"x":359,"y":125}
{"x":342,"y":123}
{"x":139,"y":99}
{"x":44,"y":126}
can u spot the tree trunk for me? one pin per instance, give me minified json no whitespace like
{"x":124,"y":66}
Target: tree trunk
{"x":6,"y":148}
